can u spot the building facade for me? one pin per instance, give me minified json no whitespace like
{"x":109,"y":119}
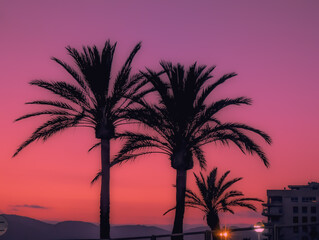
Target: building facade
{"x":293,"y":213}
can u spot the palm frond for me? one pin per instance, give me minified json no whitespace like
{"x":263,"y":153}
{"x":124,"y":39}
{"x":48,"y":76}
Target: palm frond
{"x":46,"y":112}
{"x":199,"y":154}
{"x":136,"y":141}
{"x":160,"y":86}
{"x":203,"y":188}
{"x":64,"y":90}
{"x":211,"y":186}
{"x":192,"y":200}
{"x":152,"y":119}
{"x":227,"y":185}
{"x":57,"y":104}
{"x":232,"y":194}
{"x":122,"y":81}
{"x":207,"y":91}
{"x":187,"y":204}
{"x":226,"y":208}
{"x":123,"y":75}
{"x":243,"y":202}
{"x":49,"y":128}
{"x":169,"y":210}
{"x":175,"y":75}
{"x":98,"y":175}
{"x":94,"y":146}
{"x":119,"y":159}
{"x":220,"y":182}
{"x":232,"y":126}
{"x":203,"y":78}
{"x":220,"y":133}
{"x":251,"y":146}
{"x":206,"y":115}
{"x":73,"y":73}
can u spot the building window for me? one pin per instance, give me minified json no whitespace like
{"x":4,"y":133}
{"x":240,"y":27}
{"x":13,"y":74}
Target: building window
{"x":314,"y":232}
{"x":304,"y":219}
{"x":296,"y":229}
{"x":308,"y":199}
{"x":274,"y":219}
{"x":304,"y":209}
{"x":304,"y":229}
{"x":313,"y":209}
{"x":294,"y":199}
{"x":295,"y":219}
{"x":276,"y":199}
{"x":295,"y":209}
{"x":313,"y":219}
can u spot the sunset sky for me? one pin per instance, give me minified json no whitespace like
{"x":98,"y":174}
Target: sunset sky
{"x":272,"y":45}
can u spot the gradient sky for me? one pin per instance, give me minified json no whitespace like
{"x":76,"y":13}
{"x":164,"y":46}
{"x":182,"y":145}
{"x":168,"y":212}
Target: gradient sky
{"x":272,"y":45}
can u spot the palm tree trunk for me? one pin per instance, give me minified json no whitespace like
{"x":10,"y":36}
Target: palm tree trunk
{"x":180,"y":202}
{"x":105,"y":190}
{"x":212,"y":220}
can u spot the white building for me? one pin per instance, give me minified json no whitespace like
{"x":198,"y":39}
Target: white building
{"x":293,"y":213}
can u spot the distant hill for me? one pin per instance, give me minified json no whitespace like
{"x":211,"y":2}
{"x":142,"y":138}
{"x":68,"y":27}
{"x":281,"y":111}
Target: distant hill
{"x":75,"y":229}
{"x":24,"y":228}
{"x":136,"y":231}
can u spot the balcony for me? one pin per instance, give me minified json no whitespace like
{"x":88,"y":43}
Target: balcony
{"x":274,"y":204}
{"x":272,"y":213}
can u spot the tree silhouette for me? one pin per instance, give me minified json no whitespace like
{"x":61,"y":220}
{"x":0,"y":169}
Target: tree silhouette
{"x":215,"y":197}
{"x":182,"y":121}
{"x":93,"y":101}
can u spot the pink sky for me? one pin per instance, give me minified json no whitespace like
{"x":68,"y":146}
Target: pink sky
{"x":272,"y":45}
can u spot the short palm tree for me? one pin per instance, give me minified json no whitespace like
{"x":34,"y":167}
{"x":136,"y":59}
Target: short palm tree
{"x":94,"y":101}
{"x":183,"y":120}
{"x":215,"y":197}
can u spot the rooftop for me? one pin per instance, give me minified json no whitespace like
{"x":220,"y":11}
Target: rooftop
{"x":311,"y":185}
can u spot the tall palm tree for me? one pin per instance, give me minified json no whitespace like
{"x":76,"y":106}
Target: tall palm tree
{"x":94,"y":101}
{"x":183,"y":120}
{"x":215,"y":197}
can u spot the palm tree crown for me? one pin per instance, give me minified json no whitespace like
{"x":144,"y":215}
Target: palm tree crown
{"x":183,"y":119}
{"x":215,"y":197}
{"x":91,"y":102}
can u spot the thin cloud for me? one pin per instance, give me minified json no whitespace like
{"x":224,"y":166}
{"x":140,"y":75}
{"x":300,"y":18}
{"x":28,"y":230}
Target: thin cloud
{"x":29,"y":206}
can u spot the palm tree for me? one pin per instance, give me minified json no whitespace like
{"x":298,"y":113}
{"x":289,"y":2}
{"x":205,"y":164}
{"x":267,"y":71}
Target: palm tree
{"x":183,"y":120}
{"x":215,"y":197}
{"x":93,"y":101}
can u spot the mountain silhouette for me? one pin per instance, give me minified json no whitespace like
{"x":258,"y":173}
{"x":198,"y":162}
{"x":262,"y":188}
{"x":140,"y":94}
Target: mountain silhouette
{"x":25,"y":228}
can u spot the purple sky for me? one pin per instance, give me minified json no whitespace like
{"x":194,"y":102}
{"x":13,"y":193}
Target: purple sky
{"x":272,"y":45}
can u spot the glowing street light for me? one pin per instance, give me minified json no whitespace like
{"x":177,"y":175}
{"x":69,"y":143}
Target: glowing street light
{"x":259,"y":228}
{"x":223,"y":234}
